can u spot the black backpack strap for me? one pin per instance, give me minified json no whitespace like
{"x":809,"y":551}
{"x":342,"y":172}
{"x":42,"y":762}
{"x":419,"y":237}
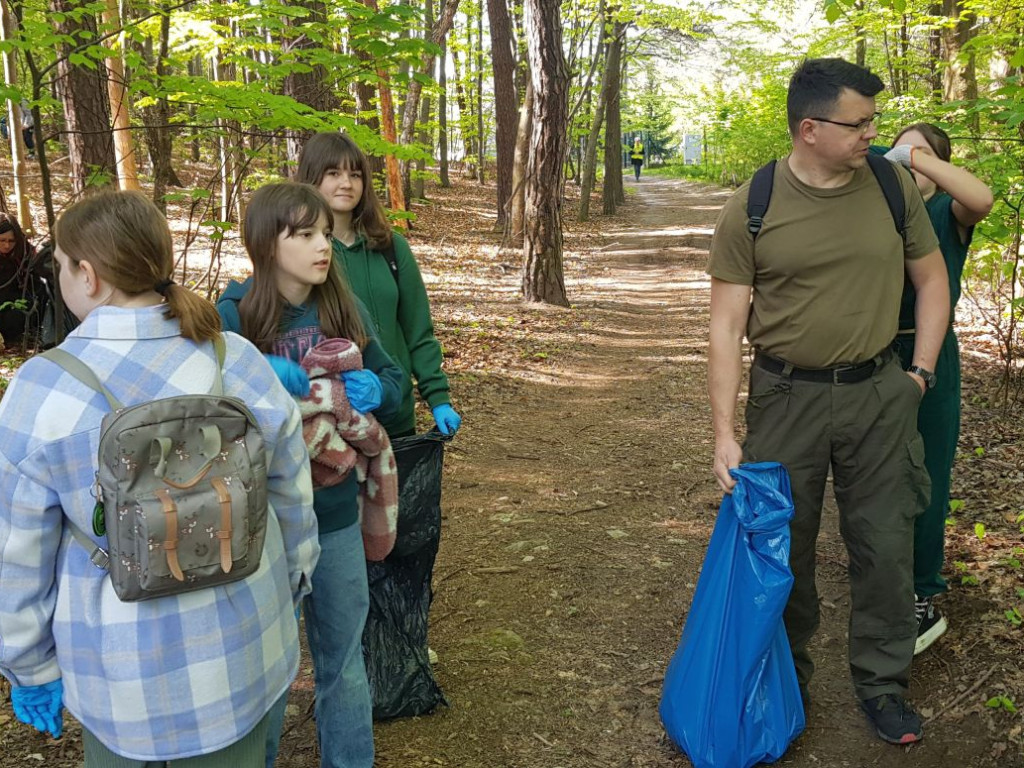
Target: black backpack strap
{"x":888,"y":179}
{"x":760,"y":196}
{"x":391,"y":258}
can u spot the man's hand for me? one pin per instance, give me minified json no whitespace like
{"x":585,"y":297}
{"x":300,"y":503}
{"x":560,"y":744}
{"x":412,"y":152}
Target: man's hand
{"x":919,"y":381}
{"x":728,"y":455}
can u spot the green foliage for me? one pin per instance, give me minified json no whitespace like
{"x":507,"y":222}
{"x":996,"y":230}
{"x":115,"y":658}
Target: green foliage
{"x":647,"y":110}
{"x":1004,"y":703}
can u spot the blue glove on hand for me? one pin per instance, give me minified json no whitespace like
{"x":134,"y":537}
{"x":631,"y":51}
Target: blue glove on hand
{"x":448,"y":420}
{"x":290,"y":374}
{"x":364,"y":390}
{"x":40,"y":706}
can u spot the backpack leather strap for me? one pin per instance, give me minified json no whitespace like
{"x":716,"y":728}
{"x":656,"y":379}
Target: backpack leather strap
{"x":170,"y":533}
{"x":224,"y":534}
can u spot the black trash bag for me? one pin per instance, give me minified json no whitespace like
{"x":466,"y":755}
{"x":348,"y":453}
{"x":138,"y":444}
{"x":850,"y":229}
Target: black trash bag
{"x":395,"y":639}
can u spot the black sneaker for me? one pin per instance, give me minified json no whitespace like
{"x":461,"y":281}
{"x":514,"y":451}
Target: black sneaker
{"x":894,"y":719}
{"x":931,"y":625}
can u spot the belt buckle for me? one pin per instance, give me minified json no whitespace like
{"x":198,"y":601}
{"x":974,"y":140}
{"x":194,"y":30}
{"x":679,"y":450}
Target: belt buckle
{"x":838,"y":370}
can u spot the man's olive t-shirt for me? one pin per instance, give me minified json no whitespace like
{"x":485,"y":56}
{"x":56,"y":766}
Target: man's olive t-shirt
{"x":827,"y":269}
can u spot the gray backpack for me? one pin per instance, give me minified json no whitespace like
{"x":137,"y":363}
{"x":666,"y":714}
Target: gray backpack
{"x":181,"y":491}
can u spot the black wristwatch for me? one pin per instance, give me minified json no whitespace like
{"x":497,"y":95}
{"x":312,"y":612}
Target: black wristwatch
{"x":929,"y":378}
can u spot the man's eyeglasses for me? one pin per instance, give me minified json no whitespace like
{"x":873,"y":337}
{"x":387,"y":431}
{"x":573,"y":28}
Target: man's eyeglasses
{"x":861,"y":127}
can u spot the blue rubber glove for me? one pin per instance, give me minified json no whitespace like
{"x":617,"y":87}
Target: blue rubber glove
{"x":447,"y":418}
{"x":364,"y":389}
{"x":40,"y":706}
{"x":290,"y":374}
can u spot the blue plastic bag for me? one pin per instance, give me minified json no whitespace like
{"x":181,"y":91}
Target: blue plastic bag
{"x":731,"y":698}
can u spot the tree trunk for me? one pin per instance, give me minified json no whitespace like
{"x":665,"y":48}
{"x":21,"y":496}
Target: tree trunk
{"x":117,"y":90}
{"x":542,"y":247}
{"x":312,"y":87}
{"x":935,"y":54}
{"x":416,"y":186}
{"x":437,"y":35}
{"x":468,"y":153}
{"x":517,"y":204}
{"x":83,"y":92}
{"x":156,"y":119}
{"x":503,"y":64}
{"x":366,"y":108}
{"x":442,"y":117}
{"x":961,"y":83}
{"x":612,"y":191}
{"x":481,"y":143}
{"x":589,"y":170}
{"x":8,"y":32}
{"x":396,"y":195}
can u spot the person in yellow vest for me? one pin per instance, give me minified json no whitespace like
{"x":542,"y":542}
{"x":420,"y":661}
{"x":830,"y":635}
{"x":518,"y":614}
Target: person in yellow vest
{"x":637,"y":156}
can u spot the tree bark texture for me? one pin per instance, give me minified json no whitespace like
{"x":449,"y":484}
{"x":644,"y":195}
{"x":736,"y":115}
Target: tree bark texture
{"x":543,"y":279}
{"x":468,"y":152}
{"x":517,"y":205}
{"x":503,"y":61}
{"x":589,"y":170}
{"x":396,"y":195}
{"x":961,"y":82}
{"x":412,"y":101}
{"x":156,"y":119}
{"x":117,"y":91}
{"x":442,"y":116}
{"x":366,"y":107}
{"x":313,"y":87}
{"x":612,"y":192}
{"x":83,"y":92}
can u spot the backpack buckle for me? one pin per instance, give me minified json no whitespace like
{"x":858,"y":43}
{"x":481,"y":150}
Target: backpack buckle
{"x":754,"y":224}
{"x":100,"y":559}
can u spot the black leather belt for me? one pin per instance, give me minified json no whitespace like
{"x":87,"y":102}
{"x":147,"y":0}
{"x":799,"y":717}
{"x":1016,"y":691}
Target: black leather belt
{"x":840,"y":374}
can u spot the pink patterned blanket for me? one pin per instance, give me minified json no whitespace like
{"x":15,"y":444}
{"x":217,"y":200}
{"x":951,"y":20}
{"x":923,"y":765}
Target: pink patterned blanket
{"x":340,"y":439}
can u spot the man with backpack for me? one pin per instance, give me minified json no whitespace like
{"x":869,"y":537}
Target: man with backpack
{"x":810,"y":270}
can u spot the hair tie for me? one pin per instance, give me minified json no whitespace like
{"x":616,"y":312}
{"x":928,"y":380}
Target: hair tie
{"x":162,"y":286}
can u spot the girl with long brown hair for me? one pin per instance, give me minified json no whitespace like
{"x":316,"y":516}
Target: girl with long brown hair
{"x":296,"y":298}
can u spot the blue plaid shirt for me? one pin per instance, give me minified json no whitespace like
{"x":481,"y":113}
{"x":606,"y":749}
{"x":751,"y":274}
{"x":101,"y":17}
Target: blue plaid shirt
{"x":172,"y":677}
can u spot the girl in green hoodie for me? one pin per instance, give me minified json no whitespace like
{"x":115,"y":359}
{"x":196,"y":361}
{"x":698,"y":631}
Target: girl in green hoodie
{"x":383,"y":274}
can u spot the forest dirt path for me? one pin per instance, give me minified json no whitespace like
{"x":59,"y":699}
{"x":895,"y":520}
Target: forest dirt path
{"x":578,"y":505}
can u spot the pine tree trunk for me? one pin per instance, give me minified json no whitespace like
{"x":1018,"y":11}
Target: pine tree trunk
{"x":481,"y":143}
{"x":612,"y":190}
{"x":117,"y":90}
{"x":437,"y":34}
{"x":543,"y":279}
{"x":589,"y":170}
{"x":366,"y":107}
{"x":83,"y":92}
{"x":468,"y":153}
{"x":156,"y":119}
{"x":517,"y":205}
{"x":396,"y":195}
{"x":961,"y":82}
{"x":935,"y":54}
{"x":442,"y":116}
{"x":503,"y":64}
{"x":312,"y":87}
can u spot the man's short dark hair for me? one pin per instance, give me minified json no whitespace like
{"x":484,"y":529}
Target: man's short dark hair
{"x":817,"y":84}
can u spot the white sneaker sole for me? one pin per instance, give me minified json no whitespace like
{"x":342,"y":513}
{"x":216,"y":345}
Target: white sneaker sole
{"x":925,"y":641}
